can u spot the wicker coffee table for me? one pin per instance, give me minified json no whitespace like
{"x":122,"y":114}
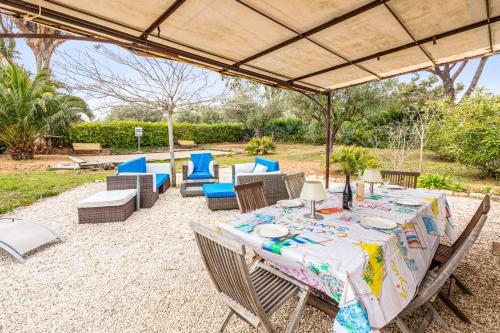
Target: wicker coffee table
{"x":107,"y":206}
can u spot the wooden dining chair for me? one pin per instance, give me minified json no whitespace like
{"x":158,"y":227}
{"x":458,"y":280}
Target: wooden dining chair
{"x":433,"y":282}
{"x":250,"y":196}
{"x":294,"y":184}
{"x":402,"y":178}
{"x":252,"y":295}
{"x":445,"y":252}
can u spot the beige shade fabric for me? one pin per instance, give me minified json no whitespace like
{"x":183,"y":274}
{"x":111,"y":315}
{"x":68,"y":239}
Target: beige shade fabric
{"x":309,"y":46}
{"x":372,"y":176}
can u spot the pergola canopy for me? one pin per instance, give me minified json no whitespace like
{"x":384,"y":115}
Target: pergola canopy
{"x":309,"y":46}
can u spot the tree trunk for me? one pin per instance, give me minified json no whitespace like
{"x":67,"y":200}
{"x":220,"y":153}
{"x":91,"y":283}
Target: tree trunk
{"x":421,"y":161}
{"x":477,"y":75}
{"x":171,"y":146}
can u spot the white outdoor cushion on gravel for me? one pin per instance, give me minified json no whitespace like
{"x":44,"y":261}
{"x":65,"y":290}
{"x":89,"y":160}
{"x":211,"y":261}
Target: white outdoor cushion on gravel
{"x":107,"y":198}
{"x":146,"y":274}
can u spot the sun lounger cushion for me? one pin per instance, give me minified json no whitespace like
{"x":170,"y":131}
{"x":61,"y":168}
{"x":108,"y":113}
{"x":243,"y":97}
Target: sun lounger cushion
{"x":108,"y":199}
{"x":222,"y":190}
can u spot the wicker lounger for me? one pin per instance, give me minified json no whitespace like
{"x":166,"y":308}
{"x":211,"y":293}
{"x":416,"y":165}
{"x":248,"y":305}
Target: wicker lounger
{"x":107,"y":206}
{"x":148,"y":195}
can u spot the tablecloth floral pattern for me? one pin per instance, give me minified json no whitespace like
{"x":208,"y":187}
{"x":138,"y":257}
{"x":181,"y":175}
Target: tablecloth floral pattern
{"x":373,"y":274}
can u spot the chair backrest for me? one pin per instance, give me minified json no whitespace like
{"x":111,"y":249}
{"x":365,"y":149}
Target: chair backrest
{"x":271,"y":165}
{"x":443,"y":274}
{"x":201,"y":161}
{"x":402,"y":178}
{"x":483,"y":208}
{"x":250,"y":196}
{"x":135,"y":165}
{"x":224,"y":259}
{"x":294,"y":184}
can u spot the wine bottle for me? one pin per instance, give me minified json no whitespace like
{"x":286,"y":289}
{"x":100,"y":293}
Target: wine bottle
{"x":347,"y":193}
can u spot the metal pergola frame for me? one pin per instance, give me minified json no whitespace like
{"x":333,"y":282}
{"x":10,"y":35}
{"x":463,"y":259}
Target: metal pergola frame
{"x":89,"y":31}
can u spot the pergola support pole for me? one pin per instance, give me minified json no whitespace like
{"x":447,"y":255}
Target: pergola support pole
{"x":328,"y":138}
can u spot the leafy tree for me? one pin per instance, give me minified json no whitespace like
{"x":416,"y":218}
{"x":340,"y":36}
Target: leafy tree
{"x":469,"y":132}
{"x":30,"y":108}
{"x":253,"y":105}
{"x":203,"y":114}
{"x":135,"y":112}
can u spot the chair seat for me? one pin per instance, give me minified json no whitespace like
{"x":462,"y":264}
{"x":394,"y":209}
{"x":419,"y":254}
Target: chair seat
{"x":443,"y":254}
{"x":200,"y":175}
{"x":161,"y":178}
{"x":272,"y":290}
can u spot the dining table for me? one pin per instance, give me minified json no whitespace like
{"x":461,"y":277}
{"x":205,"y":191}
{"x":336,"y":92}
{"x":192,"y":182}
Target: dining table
{"x":371,"y":271}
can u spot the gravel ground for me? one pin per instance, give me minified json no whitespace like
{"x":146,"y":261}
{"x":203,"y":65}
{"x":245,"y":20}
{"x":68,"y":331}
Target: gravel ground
{"x":145,"y":275}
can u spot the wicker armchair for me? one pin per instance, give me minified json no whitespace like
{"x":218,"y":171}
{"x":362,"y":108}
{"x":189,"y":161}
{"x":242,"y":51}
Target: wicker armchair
{"x":185,"y":171}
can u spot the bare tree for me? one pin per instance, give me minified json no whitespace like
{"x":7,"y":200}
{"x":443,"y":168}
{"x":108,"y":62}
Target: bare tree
{"x":43,"y":48}
{"x":448,"y":76}
{"x":401,"y":142}
{"x":7,"y":45}
{"x":154,"y":83}
{"x":422,"y":119}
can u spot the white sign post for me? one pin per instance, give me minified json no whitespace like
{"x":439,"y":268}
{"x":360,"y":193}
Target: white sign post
{"x":138,"y":134}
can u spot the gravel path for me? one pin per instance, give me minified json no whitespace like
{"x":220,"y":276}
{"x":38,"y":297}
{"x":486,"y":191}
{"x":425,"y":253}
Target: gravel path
{"x":145,"y":275}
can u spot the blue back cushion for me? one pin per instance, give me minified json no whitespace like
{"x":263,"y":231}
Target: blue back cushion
{"x":136,"y":165}
{"x":201,"y":161}
{"x":270,"y":164}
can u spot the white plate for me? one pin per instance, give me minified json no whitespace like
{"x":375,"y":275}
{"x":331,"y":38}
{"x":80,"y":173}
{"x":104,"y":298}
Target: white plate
{"x":393,"y":187}
{"x":271,"y":230}
{"x":407,"y":202}
{"x":290,"y":203}
{"x":379,"y":222}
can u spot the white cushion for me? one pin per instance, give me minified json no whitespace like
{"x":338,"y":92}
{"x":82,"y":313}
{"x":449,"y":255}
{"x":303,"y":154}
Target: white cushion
{"x":190,"y":168}
{"x":107,"y":199}
{"x":259,"y":168}
{"x":244,"y":168}
{"x":158,"y":168}
{"x":211,"y":168}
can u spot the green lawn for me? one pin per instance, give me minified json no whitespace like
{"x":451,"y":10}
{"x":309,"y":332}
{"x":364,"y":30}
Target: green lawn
{"x":22,"y":188}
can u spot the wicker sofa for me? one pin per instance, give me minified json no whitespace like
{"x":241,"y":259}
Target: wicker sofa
{"x":154,"y":179}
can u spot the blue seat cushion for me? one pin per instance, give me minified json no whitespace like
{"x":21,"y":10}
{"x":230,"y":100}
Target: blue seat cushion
{"x":270,"y":164}
{"x":222,"y":190}
{"x":161,"y":178}
{"x":137,"y":165}
{"x":200,"y":175}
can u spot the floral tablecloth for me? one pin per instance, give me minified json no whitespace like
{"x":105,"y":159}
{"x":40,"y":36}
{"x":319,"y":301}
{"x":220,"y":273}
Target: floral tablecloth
{"x":373,"y":274}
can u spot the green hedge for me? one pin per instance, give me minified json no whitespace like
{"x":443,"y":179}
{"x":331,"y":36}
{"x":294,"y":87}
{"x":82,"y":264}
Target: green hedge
{"x":286,"y":130}
{"x":120,"y":134}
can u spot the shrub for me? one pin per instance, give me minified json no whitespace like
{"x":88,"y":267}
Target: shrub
{"x":468,"y":133}
{"x":285,"y":129}
{"x":434,"y":181}
{"x":120,"y":134}
{"x":260,"y":146}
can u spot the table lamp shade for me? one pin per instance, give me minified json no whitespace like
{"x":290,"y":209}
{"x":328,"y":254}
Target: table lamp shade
{"x":313,"y":191}
{"x":372,"y":176}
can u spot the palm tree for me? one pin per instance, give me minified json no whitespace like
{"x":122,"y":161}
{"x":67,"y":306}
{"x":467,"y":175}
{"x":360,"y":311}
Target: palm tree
{"x":30,"y":108}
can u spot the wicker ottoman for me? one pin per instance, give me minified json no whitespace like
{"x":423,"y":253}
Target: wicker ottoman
{"x":107,"y":206}
{"x":220,"y":196}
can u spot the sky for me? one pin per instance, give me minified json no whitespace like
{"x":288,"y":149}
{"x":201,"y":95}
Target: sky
{"x":490,"y":78}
